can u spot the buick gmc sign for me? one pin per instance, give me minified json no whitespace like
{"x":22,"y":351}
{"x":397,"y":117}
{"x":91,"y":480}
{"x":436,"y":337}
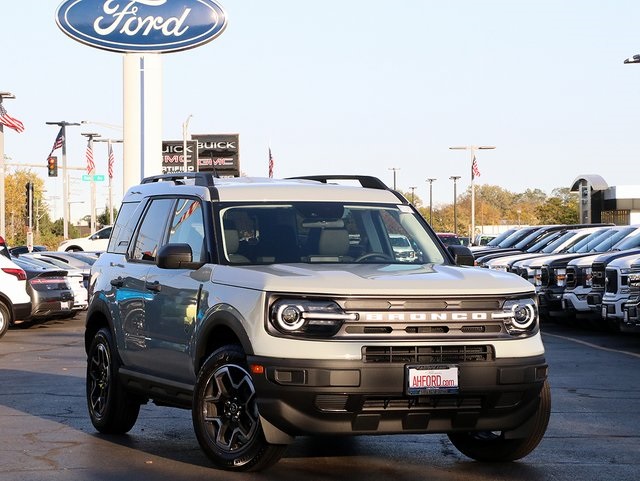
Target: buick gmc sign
{"x":153,"y":26}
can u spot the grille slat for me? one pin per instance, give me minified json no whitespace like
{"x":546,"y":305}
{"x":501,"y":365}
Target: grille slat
{"x":427,"y":354}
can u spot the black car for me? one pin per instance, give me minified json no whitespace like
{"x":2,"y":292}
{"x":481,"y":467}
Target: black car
{"x":50,"y":292}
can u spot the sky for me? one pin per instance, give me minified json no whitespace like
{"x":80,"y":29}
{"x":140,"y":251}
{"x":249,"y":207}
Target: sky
{"x":356,"y":87}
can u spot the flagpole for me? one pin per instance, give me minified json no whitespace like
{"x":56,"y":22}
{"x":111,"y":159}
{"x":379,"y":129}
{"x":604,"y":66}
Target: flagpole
{"x":472,"y":234}
{"x":110,"y":143}
{"x":3,"y":95}
{"x":65,"y":177}
{"x":91,"y":170}
{"x":472,"y":149}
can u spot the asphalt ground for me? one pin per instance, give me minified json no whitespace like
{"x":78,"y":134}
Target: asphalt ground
{"x":45,"y":432}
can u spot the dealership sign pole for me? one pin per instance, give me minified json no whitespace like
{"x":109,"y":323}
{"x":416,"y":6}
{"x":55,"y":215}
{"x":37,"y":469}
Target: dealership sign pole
{"x":142,"y":29}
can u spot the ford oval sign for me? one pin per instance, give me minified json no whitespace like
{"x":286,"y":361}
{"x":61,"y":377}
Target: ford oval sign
{"x":141,"y":25}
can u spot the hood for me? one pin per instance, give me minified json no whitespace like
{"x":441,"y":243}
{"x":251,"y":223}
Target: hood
{"x":372,"y":279}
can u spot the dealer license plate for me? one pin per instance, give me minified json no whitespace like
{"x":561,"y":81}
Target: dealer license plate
{"x":423,"y":380}
{"x":65,"y":305}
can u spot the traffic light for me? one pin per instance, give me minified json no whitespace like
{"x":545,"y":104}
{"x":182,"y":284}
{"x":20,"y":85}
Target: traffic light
{"x":52,"y":166}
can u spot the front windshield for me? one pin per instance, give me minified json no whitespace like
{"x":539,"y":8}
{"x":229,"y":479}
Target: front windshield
{"x":497,"y":240}
{"x":610,"y":239}
{"x":326,"y":232}
{"x":588,"y":242}
{"x":630,"y":242}
{"x":547,"y":240}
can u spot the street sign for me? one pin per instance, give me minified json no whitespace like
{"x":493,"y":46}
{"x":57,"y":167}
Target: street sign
{"x":95,"y":178}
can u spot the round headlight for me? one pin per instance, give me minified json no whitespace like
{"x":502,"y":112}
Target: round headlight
{"x":289,"y":317}
{"x":523,"y":316}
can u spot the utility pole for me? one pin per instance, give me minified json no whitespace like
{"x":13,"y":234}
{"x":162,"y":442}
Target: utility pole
{"x":65,"y":176}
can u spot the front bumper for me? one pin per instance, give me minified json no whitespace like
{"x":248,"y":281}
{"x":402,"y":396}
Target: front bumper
{"x":551,"y":300}
{"x":613,"y":307}
{"x":352,"y":397}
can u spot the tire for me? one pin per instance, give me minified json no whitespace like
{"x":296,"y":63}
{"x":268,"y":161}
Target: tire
{"x":493,"y":447}
{"x":225,"y":414}
{"x":5,"y":318}
{"x":111,"y":409}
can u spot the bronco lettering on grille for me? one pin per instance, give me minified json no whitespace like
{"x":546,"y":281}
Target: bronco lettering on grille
{"x":424,"y":316}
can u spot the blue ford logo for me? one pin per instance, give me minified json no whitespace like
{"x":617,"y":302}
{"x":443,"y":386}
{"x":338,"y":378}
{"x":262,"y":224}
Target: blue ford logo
{"x":141,"y":25}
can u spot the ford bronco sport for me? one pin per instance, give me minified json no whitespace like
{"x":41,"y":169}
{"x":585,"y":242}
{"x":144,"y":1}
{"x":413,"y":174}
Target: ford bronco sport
{"x":277,"y":308}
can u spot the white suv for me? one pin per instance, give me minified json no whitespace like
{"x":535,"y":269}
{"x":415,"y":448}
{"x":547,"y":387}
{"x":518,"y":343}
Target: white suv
{"x":278,"y":308}
{"x":96,"y":242}
{"x":15,"y":303}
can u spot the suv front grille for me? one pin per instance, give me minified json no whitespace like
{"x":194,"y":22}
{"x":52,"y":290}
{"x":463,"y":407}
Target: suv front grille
{"x":597,"y":273}
{"x":572,"y":278}
{"x":427,"y":354}
{"x":611,"y":281}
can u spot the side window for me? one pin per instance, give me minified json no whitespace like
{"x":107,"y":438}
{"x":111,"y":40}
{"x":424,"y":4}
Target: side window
{"x":152,"y":230}
{"x":104,"y":233}
{"x":187,"y":227}
{"x":123,"y":228}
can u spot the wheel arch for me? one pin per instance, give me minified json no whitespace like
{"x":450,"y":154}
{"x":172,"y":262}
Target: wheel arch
{"x":222,"y":327}
{"x":97,"y":318}
{"x":7,"y":302}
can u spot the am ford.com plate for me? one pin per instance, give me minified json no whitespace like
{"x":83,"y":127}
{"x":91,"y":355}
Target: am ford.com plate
{"x":423,"y":380}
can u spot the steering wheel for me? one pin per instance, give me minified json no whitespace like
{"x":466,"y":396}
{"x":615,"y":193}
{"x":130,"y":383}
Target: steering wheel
{"x":374,"y":255}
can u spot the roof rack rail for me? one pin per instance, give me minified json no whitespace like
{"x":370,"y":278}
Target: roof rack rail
{"x":204,"y":179}
{"x":367,"y":181}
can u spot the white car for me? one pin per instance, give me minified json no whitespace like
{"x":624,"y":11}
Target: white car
{"x":97,"y":242}
{"x":15,"y":303}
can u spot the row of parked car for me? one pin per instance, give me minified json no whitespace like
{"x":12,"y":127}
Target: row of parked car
{"x":42,"y":284}
{"x":586,"y":272}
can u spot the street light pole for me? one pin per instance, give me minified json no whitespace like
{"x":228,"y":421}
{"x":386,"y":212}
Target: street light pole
{"x":413,"y":189}
{"x":65,"y":178}
{"x":455,"y":203}
{"x":395,"y":169}
{"x":431,"y":198}
{"x":472,"y":149}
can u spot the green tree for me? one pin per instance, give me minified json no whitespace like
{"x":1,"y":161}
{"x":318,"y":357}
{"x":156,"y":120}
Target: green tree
{"x":103,"y":219}
{"x":15,"y":193}
{"x":562,"y":208}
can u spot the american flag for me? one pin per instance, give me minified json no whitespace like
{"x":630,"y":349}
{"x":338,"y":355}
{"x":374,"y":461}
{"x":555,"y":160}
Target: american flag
{"x":6,"y":119}
{"x":57,"y":144}
{"x":270,"y":164}
{"x":90,"y":164}
{"x":475,"y":172}
{"x":111,"y":161}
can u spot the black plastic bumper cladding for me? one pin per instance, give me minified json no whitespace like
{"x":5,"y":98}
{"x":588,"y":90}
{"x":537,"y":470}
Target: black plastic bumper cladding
{"x":341,"y":397}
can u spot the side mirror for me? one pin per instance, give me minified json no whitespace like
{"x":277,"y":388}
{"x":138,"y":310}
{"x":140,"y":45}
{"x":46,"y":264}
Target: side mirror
{"x":462,"y":255}
{"x":176,"y":256}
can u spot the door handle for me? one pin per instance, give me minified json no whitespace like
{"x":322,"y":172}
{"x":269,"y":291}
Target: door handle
{"x":152,"y":286}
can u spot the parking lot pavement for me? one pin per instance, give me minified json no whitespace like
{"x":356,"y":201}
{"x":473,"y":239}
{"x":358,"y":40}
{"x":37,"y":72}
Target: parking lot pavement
{"x":46,"y":433}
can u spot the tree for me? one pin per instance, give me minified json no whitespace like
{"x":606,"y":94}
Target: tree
{"x":559,"y":210}
{"x":16,"y":201}
{"x":103,"y":219}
